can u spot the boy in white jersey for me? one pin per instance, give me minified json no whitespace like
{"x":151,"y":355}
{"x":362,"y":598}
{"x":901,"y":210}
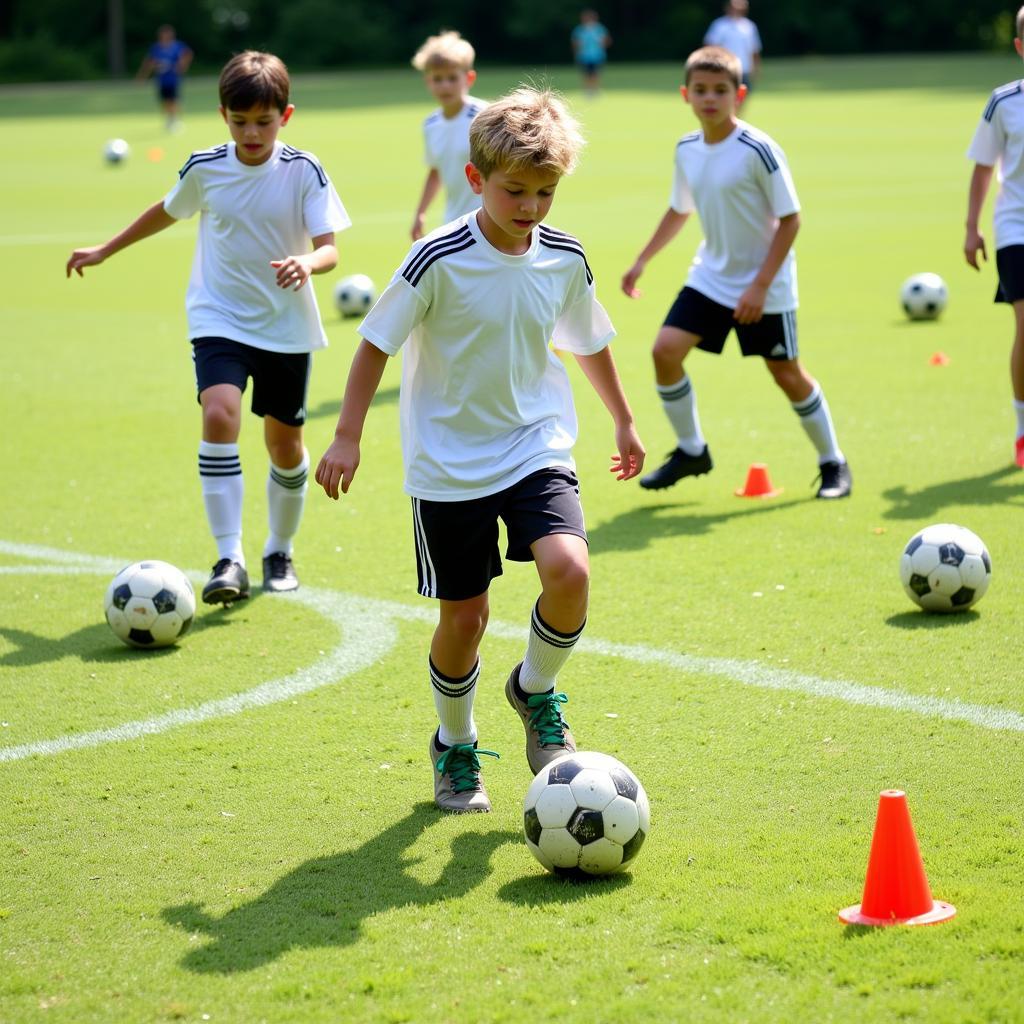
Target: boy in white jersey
{"x":743,"y":277}
{"x":1000,"y":137}
{"x":249,"y":312}
{"x":488,"y":424}
{"x":446,"y":61}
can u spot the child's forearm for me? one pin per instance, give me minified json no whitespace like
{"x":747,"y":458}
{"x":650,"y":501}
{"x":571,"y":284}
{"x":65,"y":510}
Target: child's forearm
{"x":153,"y":220}
{"x":668,"y":227}
{"x":324,"y":256}
{"x":601,"y":372}
{"x":782,"y":242}
{"x":980,"y":180}
{"x":430,"y":189}
{"x":363,"y":380}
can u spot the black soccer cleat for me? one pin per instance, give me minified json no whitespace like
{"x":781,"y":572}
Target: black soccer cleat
{"x":279,"y":573}
{"x":228,"y":582}
{"x":678,"y":465}
{"x":836,"y":480}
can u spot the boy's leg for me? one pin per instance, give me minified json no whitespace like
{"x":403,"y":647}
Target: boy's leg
{"x":286,"y":497}
{"x":1017,"y":378}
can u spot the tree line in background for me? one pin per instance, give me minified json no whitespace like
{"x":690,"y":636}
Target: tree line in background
{"x":47,"y":40}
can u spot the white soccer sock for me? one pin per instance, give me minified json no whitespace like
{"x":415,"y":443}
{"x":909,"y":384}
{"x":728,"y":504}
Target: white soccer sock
{"x":453,"y":699}
{"x":220,"y":474}
{"x":680,"y":405}
{"x":547,"y":651}
{"x":1018,"y":407}
{"x":817,"y":421}
{"x":286,"y":497}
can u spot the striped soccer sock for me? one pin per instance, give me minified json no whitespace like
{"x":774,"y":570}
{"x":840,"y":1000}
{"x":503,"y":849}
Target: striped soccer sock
{"x":816,"y":420}
{"x":453,"y":699}
{"x":547,"y":651}
{"x":220,"y":475}
{"x":680,"y":405}
{"x":286,"y":498}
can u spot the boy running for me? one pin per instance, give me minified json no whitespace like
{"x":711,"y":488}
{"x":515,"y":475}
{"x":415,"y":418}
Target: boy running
{"x":1000,"y":137}
{"x":249,"y":312}
{"x":167,"y":60}
{"x":743,"y":276}
{"x":446,"y":61}
{"x":488,"y":425}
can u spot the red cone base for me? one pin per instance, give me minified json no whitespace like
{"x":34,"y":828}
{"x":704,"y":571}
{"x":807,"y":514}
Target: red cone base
{"x":759,"y":483}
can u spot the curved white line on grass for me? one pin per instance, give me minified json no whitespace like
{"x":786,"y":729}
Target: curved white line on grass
{"x":368,"y":627}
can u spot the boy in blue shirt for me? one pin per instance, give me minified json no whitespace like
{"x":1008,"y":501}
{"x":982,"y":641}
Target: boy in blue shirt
{"x":590,"y":42}
{"x":167,"y":60}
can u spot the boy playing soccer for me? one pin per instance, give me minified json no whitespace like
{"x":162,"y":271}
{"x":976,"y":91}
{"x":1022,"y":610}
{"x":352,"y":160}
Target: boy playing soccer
{"x":446,"y":61}
{"x":1000,"y":137}
{"x":249,"y":312}
{"x":488,"y":424}
{"x":743,"y":277}
{"x":167,"y":60}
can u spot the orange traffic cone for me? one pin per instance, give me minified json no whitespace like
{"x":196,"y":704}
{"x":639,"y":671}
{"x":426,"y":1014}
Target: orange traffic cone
{"x":759,"y":484}
{"x":896,"y":889}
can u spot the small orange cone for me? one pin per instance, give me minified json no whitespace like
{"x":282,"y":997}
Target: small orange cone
{"x":896,"y":889}
{"x":939,"y":359}
{"x":759,"y":484}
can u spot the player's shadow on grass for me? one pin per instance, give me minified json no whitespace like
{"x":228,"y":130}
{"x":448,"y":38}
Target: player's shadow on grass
{"x":637,"y":528}
{"x":924,"y":620}
{"x":332,"y":407}
{"x":325,"y":901}
{"x":983,"y":489}
{"x":544,"y":890}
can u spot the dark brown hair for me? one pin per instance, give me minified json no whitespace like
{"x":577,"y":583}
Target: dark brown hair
{"x":254,"y":79}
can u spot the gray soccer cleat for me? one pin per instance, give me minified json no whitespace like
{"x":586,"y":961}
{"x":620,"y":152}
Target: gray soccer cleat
{"x":457,"y":784}
{"x":547,"y":732}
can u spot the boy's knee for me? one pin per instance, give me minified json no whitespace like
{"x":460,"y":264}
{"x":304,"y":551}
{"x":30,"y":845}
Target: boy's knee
{"x":466,"y":622}
{"x":220,"y":422}
{"x":569,"y":576}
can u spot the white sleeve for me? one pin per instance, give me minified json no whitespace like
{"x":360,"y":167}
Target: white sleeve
{"x":429,"y":156}
{"x":756,"y":36}
{"x":186,"y":198}
{"x":681,"y":199}
{"x":394,"y":315}
{"x":322,"y":208}
{"x":711,"y":36}
{"x":988,"y":143}
{"x":583,"y":327}
{"x":779,"y":186}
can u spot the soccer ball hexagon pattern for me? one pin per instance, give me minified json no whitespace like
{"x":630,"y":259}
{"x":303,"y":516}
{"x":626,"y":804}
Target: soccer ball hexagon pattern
{"x":923,"y":296}
{"x":945,"y":568}
{"x":586,"y":814}
{"x":149,"y":604}
{"x":354,"y":295}
{"x":115,"y":151}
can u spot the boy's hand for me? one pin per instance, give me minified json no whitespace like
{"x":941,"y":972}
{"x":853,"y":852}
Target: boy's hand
{"x":973,"y":244}
{"x":338,"y":465}
{"x":629,"y":279}
{"x":630,"y":460}
{"x":93,"y":256}
{"x":417,"y":226}
{"x":292,"y":271}
{"x":751,"y":305}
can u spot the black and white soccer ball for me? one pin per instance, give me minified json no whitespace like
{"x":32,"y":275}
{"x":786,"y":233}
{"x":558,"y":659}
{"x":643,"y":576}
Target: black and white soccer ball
{"x":923,"y":296}
{"x":116,"y":150}
{"x":149,"y":604}
{"x":586,"y":814}
{"x":354,"y":295}
{"x":945,"y":568}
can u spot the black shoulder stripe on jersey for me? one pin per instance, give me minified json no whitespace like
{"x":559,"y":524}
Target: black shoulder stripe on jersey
{"x":562,"y":236}
{"x":1000,"y":94}
{"x":691,"y":137}
{"x":288,"y":154}
{"x":577,"y":250}
{"x":204,"y":156}
{"x":454,"y":237}
{"x":413,"y":277}
{"x":762,"y":149}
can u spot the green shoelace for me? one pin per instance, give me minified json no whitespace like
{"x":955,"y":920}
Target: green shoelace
{"x":547,"y":717}
{"x":461,"y":763}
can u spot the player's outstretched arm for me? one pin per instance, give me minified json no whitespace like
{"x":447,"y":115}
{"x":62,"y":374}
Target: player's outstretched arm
{"x":295,"y":271}
{"x":430,"y":189}
{"x":155,"y":219}
{"x":600,"y":370}
{"x":974,"y":240}
{"x":750,"y":307}
{"x":668,"y":227}
{"x":341,"y":460}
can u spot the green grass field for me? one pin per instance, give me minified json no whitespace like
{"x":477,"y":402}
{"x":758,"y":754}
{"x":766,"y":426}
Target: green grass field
{"x":239,"y":829}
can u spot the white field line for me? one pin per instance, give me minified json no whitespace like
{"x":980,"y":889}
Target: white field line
{"x":369,"y":632}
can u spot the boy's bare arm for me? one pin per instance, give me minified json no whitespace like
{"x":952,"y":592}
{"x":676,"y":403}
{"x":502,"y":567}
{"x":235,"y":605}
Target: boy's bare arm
{"x":751,"y":305}
{"x":295,"y":271}
{"x":430,"y":189}
{"x":974,"y":240}
{"x":668,"y":227}
{"x":341,"y":460}
{"x":155,"y":219}
{"x":600,"y":370}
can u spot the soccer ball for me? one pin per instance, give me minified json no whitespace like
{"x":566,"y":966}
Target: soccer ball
{"x":149,"y":604}
{"x":354,"y":295}
{"x":923,"y":296}
{"x":585,"y":814}
{"x":945,"y":568}
{"x":115,"y":151}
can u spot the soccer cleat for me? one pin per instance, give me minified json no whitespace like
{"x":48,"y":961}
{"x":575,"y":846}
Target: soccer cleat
{"x":1018,"y":454}
{"x":678,"y":465}
{"x":228,"y":582}
{"x":836,"y":480}
{"x":457,"y":784}
{"x":547,"y":732}
{"x":279,"y":573}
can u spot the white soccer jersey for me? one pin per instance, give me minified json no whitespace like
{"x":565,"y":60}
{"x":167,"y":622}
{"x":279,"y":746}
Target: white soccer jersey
{"x":446,"y":148}
{"x":740,"y":187}
{"x":999,"y":138}
{"x":738,"y":36}
{"x":250,"y":216}
{"x":484,"y":400}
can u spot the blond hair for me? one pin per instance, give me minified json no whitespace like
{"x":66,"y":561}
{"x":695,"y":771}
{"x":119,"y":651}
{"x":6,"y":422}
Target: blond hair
{"x":717,"y":60}
{"x":528,"y":128}
{"x":445,"y":49}
{"x":1019,"y":23}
